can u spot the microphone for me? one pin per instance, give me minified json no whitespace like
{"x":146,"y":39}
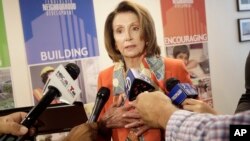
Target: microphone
{"x":178,"y":92}
{"x":101,"y":98}
{"x":60,"y":84}
{"x":63,"y":79}
{"x":137,"y":83}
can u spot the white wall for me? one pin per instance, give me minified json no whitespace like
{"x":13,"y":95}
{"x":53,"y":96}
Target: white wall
{"x":227,"y":55}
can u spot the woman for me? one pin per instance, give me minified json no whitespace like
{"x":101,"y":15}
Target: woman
{"x":130,"y":41}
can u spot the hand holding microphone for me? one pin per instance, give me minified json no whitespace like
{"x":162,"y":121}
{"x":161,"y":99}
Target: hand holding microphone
{"x":85,"y":131}
{"x":11,"y":124}
{"x":61,"y":84}
{"x":199,"y":106}
{"x":88,"y":131}
{"x":184,"y":95}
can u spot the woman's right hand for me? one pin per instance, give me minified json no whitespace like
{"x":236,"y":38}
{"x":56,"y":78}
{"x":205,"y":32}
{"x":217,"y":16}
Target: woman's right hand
{"x":113,"y":118}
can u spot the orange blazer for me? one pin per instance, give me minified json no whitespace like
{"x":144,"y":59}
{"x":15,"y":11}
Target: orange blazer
{"x":173,"y":68}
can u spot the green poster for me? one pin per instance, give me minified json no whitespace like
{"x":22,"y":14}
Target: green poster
{"x":4,"y":53}
{"x":6,"y":94}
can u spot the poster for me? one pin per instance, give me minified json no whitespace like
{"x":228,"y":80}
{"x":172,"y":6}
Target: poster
{"x":190,"y":26}
{"x":185,"y":38}
{"x":6,"y":93}
{"x":58,"y":32}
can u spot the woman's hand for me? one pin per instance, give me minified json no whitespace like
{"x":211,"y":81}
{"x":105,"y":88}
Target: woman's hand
{"x":113,"y":117}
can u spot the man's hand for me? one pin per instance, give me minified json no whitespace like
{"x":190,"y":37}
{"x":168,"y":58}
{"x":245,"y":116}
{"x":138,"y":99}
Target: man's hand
{"x":85,"y":131}
{"x":138,"y":125}
{"x":10,"y":124}
{"x":154,"y":108}
{"x":199,"y":106}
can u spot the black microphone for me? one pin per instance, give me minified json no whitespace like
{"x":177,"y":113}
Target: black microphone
{"x":101,"y":98}
{"x":59,"y":84}
{"x":137,"y":83}
{"x":178,"y":92}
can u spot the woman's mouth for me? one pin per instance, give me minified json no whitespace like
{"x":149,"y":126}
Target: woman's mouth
{"x":130,"y":47}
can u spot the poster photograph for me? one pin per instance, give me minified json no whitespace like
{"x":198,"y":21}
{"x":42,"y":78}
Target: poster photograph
{"x":185,"y":38}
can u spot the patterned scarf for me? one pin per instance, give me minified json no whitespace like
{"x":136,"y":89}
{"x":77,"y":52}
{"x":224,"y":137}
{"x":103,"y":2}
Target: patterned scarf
{"x":152,"y":67}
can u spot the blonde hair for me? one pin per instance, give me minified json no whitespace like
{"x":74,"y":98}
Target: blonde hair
{"x":44,"y":73}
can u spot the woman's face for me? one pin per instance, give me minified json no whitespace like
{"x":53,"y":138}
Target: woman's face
{"x":127,"y":35}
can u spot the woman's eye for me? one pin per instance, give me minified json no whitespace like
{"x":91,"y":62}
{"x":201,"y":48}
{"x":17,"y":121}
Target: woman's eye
{"x":118,"y":31}
{"x":135,"y":28}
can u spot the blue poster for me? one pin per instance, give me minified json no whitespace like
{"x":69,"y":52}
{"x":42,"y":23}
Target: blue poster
{"x":58,"y":30}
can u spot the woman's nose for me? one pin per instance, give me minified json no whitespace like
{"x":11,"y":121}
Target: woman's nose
{"x":128,"y":36}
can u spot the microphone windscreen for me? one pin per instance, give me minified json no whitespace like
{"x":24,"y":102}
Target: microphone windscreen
{"x":73,"y":70}
{"x":171,"y":82}
{"x":137,"y":83}
{"x":178,"y":92}
{"x":101,"y":98}
{"x":103,"y":93}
